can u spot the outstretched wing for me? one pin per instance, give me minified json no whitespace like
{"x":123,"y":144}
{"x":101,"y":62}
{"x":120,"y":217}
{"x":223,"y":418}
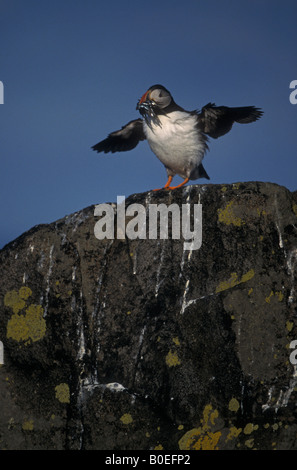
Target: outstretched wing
{"x":125,"y":139}
{"x":216,"y":121}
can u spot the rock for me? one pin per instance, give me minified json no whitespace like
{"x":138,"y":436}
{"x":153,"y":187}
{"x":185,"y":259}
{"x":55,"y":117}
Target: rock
{"x":141,"y":344}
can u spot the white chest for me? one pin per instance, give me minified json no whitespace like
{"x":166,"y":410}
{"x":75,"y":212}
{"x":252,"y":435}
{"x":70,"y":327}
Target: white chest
{"x":176,"y":142}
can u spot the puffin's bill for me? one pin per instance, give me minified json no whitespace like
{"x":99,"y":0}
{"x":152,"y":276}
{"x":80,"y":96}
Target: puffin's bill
{"x":146,"y":109}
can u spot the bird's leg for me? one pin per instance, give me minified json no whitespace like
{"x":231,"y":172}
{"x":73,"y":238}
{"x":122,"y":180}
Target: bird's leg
{"x":168,"y":182}
{"x":166,"y":185}
{"x":179,"y":185}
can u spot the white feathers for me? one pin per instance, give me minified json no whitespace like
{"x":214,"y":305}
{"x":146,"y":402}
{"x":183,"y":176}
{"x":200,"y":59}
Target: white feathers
{"x":177,"y":142}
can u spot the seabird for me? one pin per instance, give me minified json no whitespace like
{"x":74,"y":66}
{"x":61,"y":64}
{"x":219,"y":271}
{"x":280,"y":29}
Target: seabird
{"x":176,"y":136}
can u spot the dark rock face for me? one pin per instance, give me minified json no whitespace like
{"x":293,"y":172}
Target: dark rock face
{"x":141,"y":344}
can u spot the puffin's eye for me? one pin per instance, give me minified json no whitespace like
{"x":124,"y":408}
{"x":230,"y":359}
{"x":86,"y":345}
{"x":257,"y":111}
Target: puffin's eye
{"x":160,"y":97}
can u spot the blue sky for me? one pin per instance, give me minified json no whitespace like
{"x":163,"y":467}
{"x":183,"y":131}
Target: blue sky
{"x":73,"y":71}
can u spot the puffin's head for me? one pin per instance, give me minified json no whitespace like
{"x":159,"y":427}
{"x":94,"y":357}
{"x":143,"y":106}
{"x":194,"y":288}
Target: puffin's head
{"x":154,"y":99}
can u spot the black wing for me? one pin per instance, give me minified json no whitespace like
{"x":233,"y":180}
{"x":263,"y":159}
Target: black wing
{"x":218,"y":120}
{"x":125,"y":139}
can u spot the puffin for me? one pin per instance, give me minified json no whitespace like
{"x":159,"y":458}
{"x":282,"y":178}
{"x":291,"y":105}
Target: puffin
{"x":177,"y":137}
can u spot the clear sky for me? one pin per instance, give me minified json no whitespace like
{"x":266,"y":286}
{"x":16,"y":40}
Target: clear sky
{"x":73,"y":71}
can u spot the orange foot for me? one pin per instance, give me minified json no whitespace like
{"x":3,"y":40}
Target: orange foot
{"x":167,"y":185}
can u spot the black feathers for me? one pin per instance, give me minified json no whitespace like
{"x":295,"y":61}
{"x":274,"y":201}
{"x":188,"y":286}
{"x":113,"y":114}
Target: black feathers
{"x":123,"y":140}
{"x":216,"y":121}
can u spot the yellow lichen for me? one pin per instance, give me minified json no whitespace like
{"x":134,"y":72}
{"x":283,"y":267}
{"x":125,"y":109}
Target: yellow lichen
{"x":278,"y":294}
{"x":249,"y":428}
{"x":28,"y":425}
{"x":234,"y":281}
{"x":295,"y":209}
{"x":29,"y":327}
{"x":247,"y":276}
{"x":25,"y":292}
{"x":233,"y":405}
{"x":227,"y":216}
{"x":233,"y":433}
{"x":195,"y":439}
{"x":176,"y":341}
{"x":159,"y":447}
{"x":16,"y":299}
{"x":267,"y":299}
{"x":289,"y":325}
{"x":172,"y":359}
{"x":35,"y":322}
{"x":26,"y":327}
{"x":63,"y":393}
{"x":126,"y":418}
{"x":209,"y":416}
{"x":249,"y":443}
{"x":17,"y":328}
{"x":202,"y":438}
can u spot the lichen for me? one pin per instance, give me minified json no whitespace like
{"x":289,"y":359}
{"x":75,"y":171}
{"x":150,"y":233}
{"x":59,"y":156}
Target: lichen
{"x":202,"y":438}
{"x":227,"y":216}
{"x":249,"y":428}
{"x":30,"y":327}
{"x":176,"y":341}
{"x":28,"y":425}
{"x":249,"y":443}
{"x":234,"y":281}
{"x":233,"y":433}
{"x":159,"y":447}
{"x":63,"y":393}
{"x":126,"y":418}
{"x":16,"y":299}
{"x":35,"y":322}
{"x":277,"y":294}
{"x":17,"y":328}
{"x":172,"y":359}
{"x":233,"y":405}
{"x":196,"y":439}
